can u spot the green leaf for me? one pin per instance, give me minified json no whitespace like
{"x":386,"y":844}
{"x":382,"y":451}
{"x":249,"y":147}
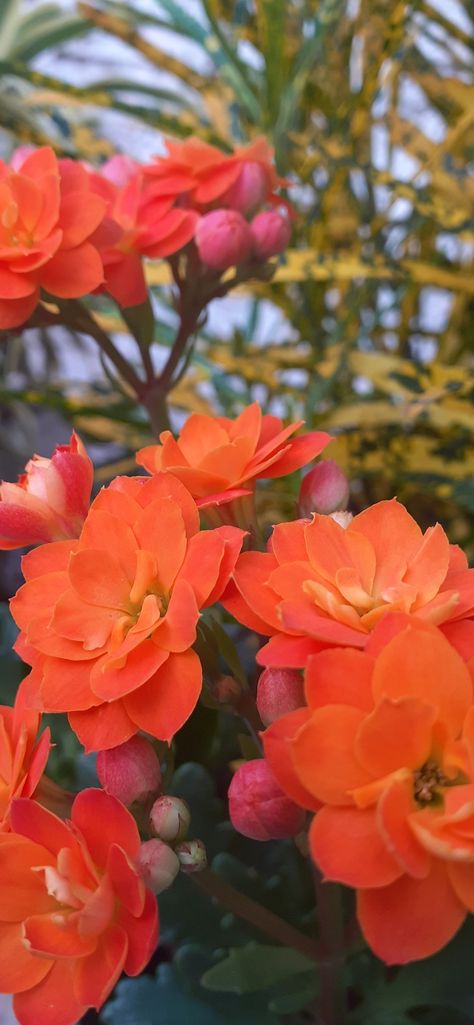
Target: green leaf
{"x":255,"y":967}
{"x":9,"y":22}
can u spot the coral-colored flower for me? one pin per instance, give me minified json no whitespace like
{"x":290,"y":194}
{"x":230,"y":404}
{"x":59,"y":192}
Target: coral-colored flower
{"x":74,"y":910}
{"x":387,"y":746}
{"x":23,"y":755}
{"x":50,"y":500}
{"x":204,"y":177}
{"x":108,"y":621}
{"x":321,"y":583}
{"x":46,"y":226}
{"x":218,"y":458}
{"x":145,"y":225}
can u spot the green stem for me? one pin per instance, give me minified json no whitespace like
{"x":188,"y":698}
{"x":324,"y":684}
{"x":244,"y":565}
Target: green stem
{"x":332,"y":1004}
{"x":257,"y":915}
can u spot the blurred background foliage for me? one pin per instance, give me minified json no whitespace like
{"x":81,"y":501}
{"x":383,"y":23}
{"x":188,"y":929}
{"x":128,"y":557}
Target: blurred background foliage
{"x":366,"y":327}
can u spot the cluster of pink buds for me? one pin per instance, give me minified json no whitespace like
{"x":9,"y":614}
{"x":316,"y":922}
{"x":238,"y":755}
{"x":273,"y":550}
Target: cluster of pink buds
{"x":131,"y":772}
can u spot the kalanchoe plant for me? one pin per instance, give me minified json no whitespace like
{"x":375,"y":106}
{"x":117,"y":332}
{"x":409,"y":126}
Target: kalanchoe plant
{"x":144,"y":616}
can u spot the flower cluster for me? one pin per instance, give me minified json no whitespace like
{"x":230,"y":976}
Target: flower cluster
{"x":366,"y":696}
{"x":67,"y":229}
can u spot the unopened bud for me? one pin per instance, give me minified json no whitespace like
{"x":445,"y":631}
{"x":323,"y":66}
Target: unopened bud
{"x":279,"y":691}
{"x":192,"y":855}
{"x":249,"y":190}
{"x":130,"y":772}
{"x":223,"y":239}
{"x":271,"y":233}
{"x":170,"y":818}
{"x":324,"y":489}
{"x":258,"y":807}
{"x":157,"y":864}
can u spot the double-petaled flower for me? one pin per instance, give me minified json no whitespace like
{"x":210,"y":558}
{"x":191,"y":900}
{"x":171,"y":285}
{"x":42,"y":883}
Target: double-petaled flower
{"x":74,"y":910}
{"x":48,"y":219}
{"x":109,"y":621}
{"x":23,"y":755}
{"x":385,"y":750}
{"x":323,"y":583}
{"x":219,"y":459}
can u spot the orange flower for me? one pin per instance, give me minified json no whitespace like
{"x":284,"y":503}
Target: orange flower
{"x":147,"y":225}
{"x":321,"y":583}
{"x":387,"y":746}
{"x":219,"y":459}
{"x":50,"y":499}
{"x":46,"y":224}
{"x":75,"y":912}
{"x":205,"y":177}
{"x":23,"y":755}
{"x":109,"y":620}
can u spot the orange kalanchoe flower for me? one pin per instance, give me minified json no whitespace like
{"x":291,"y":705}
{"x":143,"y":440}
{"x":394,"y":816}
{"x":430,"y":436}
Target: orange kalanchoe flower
{"x":47,"y":220}
{"x":108,"y":621}
{"x":148,"y":225}
{"x":74,"y":911}
{"x":50,"y":500}
{"x":23,"y":755}
{"x":219,"y":459}
{"x":386,"y":745}
{"x":203,"y":176}
{"x":321,"y":583}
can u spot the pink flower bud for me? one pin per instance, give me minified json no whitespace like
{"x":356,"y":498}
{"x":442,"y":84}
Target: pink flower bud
{"x":279,"y":691}
{"x":192,"y":855}
{"x":258,"y":807}
{"x":249,"y":190}
{"x":16,"y":162}
{"x":323,"y":490}
{"x":271,"y":233}
{"x":119,"y":169}
{"x":130,"y":772}
{"x":223,"y":239}
{"x":50,"y":500}
{"x":170,"y":818}
{"x":158,"y":865}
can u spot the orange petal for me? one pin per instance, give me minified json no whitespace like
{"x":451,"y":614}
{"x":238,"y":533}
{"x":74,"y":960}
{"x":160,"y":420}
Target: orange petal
{"x":428,"y":568}
{"x":65,"y":686}
{"x":73,"y":273}
{"x":339,"y":676}
{"x":56,"y":936}
{"x":162,"y":519}
{"x":79,"y":621}
{"x":233,"y":539}
{"x":421,"y":663}
{"x":397,"y":734}
{"x":19,"y":970}
{"x":233,"y":602}
{"x":200,"y":566}
{"x":111,"y":681}
{"x":276,"y":741}
{"x":90,"y":810}
{"x":103,"y":727}
{"x":348,"y":848}
{"x":394,"y":809}
{"x":412,"y":918}
{"x":40,"y":825}
{"x":127,"y":883}
{"x":300,"y":451}
{"x":300,"y":616}
{"x":177,"y":631}
{"x":112,"y":532}
{"x":56,"y":993}
{"x":99,"y":580}
{"x":251,"y":578}
{"x":142,"y":935}
{"x":324,"y":754}
{"x":95,"y":976}
{"x":79,"y":216}
{"x":288,"y":542}
{"x":23,"y":891}
{"x":164,"y":704}
{"x":395,"y":538}
{"x":287,"y":652}
{"x":462,"y":881}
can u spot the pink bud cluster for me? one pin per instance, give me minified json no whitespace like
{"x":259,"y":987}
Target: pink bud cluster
{"x":131,"y":773}
{"x":225,"y":239}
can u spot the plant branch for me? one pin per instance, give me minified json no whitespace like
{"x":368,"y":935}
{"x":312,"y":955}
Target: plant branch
{"x":257,"y":915}
{"x":79,"y":317}
{"x":332,"y":999}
